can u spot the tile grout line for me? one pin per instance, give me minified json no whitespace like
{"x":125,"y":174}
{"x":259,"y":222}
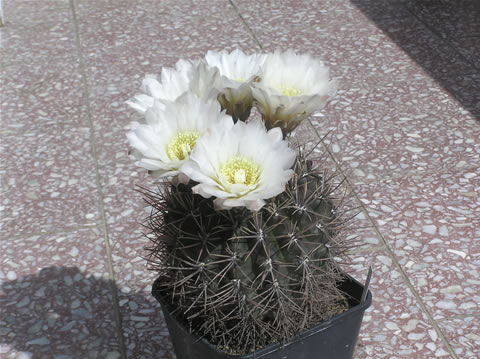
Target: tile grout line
{"x":459,"y":316}
{"x":412,"y":174}
{"x":386,"y":248}
{"x":385,"y":178}
{"x":370,"y":249}
{"x":440,"y":37}
{"x":115,"y":304}
{"x":390,"y":253}
{"x":246,"y":25}
{"x":52,"y":233}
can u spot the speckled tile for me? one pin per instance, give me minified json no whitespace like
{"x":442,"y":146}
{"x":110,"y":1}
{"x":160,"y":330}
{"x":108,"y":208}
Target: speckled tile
{"x":145,"y":331}
{"x":136,"y":37}
{"x":143,"y":326}
{"x":361,"y":233}
{"x":25,"y":6}
{"x":449,"y":18}
{"x":111,"y":84}
{"x":47,"y":179}
{"x":48,"y":34}
{"x":118,"y":174}
{"x":463,"y":335}
{"x":381,"y":9}
{"x":47,"y":183}
{"x":435,"y":56}
{"x":432,"y":225}
{"x":468,"y":46}
{"x":394,"y":326}
{"x":345,"y":38}
{"x":319,"y":31}
{"x":362,"y":236}
{"x":466,"y":90}
{"x":405,"y":127}
{"x":419,"y":39}
{"x":55,"y":297}
{"x":42,"y":88}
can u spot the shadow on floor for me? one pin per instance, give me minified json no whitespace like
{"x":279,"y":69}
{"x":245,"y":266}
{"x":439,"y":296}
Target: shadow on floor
{"x":60,"y":313}
{"x":442,"y":36}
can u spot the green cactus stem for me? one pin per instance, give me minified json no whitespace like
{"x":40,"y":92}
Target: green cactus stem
{"x":245,"y":279}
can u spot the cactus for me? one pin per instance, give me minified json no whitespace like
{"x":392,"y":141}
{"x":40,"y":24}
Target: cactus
{"x":245,"y":279}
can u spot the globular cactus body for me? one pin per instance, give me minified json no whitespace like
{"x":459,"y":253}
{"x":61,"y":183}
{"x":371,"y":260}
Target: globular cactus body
{"x":247,"y":279}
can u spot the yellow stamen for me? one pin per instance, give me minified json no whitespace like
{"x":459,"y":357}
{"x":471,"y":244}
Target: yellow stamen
{"x":182,"y":144}
{"x":290,"y":91}
{"x":240,"y":170}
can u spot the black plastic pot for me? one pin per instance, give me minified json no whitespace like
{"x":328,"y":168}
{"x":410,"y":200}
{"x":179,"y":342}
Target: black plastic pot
{"x":333,"y":339}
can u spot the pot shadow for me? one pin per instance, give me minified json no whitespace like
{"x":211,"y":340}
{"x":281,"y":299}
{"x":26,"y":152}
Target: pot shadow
{"x":439,"y":35}
{"x":63,"y":313}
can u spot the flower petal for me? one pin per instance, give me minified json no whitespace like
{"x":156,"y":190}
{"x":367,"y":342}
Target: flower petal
{"x":267,"y":158}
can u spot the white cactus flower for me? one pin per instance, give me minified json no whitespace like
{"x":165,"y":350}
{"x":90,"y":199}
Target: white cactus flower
{"x":292,"y":87}
{"x":237,"y":71}
{"x":204,"y":81}
{"x":172,"y":130}
{"x":241,"y":165}
{"x":174,"y":82}
{"x":236,"y":67}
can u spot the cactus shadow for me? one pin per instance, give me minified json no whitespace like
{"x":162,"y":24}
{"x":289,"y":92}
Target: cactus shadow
{"x":59,"y":313}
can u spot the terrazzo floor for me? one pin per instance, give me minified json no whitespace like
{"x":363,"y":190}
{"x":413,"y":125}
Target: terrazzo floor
{"x":404,"y":129}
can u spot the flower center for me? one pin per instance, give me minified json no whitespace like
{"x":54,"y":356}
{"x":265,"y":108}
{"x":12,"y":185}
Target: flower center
{"x":182,"y":144}
{"x":289,"y":91}
{"x":240,"y":170}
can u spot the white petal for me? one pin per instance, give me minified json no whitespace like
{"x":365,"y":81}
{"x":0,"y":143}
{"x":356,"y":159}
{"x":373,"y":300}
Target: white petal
{"x":296,"y":73}
{"x":164,"y":121}
{"x":249,"y":140}
{"x":152,"y":87}
{"x":141,"y":103}
{"x":236,"y":66}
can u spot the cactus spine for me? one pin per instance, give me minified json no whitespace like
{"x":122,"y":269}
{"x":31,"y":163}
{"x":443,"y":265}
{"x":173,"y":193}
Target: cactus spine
{"x":246,"y":279}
